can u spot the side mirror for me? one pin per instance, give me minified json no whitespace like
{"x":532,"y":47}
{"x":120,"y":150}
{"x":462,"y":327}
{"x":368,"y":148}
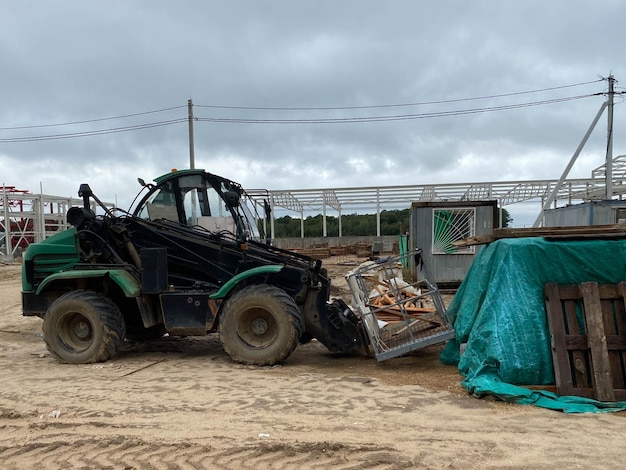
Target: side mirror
{"x":143,"y":183}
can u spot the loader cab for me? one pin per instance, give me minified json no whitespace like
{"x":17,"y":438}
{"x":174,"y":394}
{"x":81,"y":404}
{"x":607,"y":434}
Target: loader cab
{"x":200,"y":200}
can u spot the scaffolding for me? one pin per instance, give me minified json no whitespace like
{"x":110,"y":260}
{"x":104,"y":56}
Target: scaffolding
{"x":377,"y":198}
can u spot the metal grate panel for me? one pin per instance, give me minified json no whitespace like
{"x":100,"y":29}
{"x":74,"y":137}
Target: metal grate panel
{"x":399,"y":314}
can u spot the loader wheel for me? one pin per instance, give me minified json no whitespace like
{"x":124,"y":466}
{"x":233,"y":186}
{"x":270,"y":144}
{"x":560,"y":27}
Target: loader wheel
{"x":260,"y":325}
{"x":82,"y":327}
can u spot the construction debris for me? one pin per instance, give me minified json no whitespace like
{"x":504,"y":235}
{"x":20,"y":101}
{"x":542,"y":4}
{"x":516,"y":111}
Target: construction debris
{"x":399,"y":315}
{"x":392,"y":304}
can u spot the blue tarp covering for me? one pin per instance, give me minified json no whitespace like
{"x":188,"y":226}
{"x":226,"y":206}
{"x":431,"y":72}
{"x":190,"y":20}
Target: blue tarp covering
{"x":499,"y":313}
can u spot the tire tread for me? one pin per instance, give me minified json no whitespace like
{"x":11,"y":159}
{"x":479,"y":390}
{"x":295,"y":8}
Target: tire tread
{"x":112,"y":323}
{"x":288,"y":305}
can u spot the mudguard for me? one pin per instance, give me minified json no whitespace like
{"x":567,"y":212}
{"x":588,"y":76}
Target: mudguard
{"x":126,"y":281}
{"x":227,"y":287}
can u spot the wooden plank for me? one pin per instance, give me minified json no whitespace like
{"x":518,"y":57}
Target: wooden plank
{"x":614,"y":229}
{"x":620,"y":322}
{"x":587,"y":236}
{"x":571,"y":299}
{"x":560,"y":358}
{"x":476,"y":240}
{"x":583,"y":231}
{"x":609,"y":300}
{"x":603,"y":380}
{"x":613,"y":342}
{"x":569,"y":292}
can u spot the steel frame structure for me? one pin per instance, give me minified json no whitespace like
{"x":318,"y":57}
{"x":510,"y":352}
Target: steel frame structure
{"x":377,"y":198}
{"x":26,"y":218}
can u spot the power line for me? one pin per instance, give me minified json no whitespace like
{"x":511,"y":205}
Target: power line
{"x":92,"y":133}
{"x":123,"y":116}
{"x":423,"y":103}
{"x":88,"y":121}
{"x":399,"y":117}
{"x":379,"y":118}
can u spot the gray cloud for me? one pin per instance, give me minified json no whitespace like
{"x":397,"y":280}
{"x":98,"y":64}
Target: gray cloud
{"x":71,"y":61}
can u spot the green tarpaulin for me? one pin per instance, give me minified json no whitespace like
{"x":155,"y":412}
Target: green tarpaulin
{"x":500,"y":315}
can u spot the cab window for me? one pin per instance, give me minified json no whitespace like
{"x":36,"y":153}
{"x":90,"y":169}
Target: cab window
{"x":161,"y":205}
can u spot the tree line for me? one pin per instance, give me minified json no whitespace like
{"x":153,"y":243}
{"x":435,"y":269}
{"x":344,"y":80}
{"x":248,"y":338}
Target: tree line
{"x":392,"y":222}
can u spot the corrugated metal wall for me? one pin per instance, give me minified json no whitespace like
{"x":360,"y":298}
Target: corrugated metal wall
{"x":588,"y":213}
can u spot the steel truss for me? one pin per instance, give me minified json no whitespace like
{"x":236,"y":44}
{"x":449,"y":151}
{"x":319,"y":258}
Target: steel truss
{"x":26,"y":218}
{"x":374,"y":199}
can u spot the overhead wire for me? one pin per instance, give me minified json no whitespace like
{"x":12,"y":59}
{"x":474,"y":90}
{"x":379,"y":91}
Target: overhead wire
{"x":422,"y":103}
{"x":397,"y":117}
{"x":93,"y":132}
{"x":247,"y":120}
{"x":88,"y":121}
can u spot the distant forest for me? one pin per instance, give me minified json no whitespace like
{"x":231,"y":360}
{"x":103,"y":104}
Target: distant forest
{"x":392,"y":222}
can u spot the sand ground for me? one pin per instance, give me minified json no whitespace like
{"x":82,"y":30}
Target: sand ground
{"x":181,"y":403}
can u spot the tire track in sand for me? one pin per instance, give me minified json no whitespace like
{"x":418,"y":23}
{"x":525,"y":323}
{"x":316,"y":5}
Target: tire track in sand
{"x":121,"y":452}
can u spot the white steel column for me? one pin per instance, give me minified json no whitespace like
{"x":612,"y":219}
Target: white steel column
{"x":378,"y":212}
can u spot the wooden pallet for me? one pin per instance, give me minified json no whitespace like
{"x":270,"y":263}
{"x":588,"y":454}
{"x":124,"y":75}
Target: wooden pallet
{"x":588,"y":332}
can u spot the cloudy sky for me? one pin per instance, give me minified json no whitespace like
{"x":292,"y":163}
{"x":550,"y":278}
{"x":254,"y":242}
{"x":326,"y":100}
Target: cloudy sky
{"x":304,"y":94}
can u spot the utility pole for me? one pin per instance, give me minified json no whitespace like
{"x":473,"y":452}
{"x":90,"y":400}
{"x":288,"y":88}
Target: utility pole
{"x":609,"y":140}
{"x":192,"y":162}
{"x":192,"y":157}
{"x":609,"y":152}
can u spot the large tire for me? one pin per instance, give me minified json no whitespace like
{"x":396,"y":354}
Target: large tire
{"x":82,"y":327}
{"x":260,"y":325}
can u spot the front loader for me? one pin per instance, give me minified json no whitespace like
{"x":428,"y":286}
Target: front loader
{"x":188,"y":260}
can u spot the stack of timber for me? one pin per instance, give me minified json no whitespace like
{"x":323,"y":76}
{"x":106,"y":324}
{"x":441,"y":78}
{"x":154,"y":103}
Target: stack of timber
{"x":322,"y":250}
{"x":614,"y":231}
{"x":313,"y":252}
{"x":363,"y":249}
{"x":341,"y":250}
